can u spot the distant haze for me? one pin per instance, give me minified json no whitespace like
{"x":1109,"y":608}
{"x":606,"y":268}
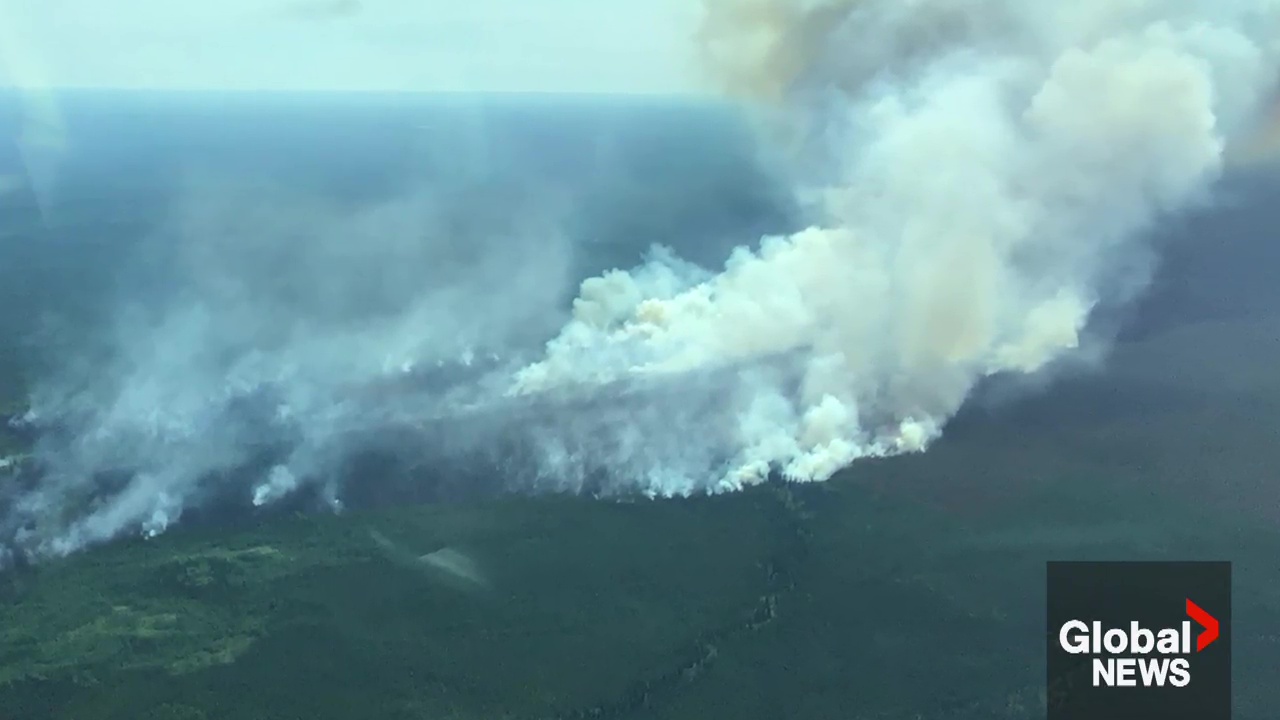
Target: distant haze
{"x":377,"y":45}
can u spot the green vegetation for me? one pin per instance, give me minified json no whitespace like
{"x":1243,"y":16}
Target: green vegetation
{"x":905,"y":589}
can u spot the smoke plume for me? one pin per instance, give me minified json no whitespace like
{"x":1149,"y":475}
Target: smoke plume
{"x":983,"y":173}
{"x":981,"y":178}
{"x":264,"y":338}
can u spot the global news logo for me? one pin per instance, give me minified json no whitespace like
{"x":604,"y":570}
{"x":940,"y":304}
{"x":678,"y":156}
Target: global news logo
{"x":1138,"y":640}
{"x":1139,"y":656}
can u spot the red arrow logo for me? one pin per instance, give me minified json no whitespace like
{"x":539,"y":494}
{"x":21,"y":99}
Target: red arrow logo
{"x":1207,"y":621}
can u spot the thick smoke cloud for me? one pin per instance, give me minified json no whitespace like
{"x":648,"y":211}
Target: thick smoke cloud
{"x":981,"y":177}
{"x":979,"y":168}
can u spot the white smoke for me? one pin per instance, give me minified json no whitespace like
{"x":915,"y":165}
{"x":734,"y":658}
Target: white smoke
{"x":981,"y":166}
{"x":264,"y":327}
{"x":982,"y":176}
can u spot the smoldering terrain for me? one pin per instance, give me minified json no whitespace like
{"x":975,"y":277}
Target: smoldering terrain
{"x":223,"y":317}
{"x":386,"y":282}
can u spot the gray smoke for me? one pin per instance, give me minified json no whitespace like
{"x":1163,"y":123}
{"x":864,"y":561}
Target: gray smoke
{"x":272,"y":330}
{"x":981,"y":175}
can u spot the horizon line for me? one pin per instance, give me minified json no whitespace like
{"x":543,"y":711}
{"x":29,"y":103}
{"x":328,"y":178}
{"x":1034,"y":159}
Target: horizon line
{"x":689,"y":94}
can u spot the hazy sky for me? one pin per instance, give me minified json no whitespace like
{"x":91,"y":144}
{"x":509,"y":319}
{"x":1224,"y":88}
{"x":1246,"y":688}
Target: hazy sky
{"x":520,"y":45}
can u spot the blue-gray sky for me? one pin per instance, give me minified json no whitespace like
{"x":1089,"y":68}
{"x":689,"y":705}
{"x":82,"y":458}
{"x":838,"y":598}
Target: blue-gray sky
{"x":466,"y":45}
